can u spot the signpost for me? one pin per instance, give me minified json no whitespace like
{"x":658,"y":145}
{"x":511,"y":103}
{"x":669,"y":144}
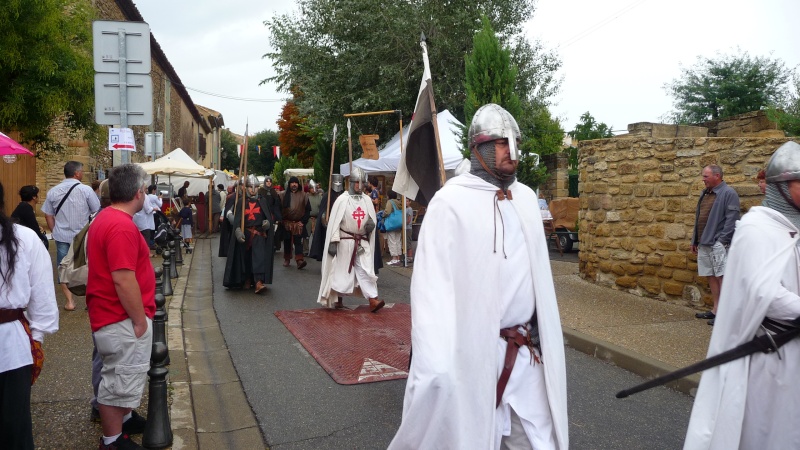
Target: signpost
{"x":122,"y":60}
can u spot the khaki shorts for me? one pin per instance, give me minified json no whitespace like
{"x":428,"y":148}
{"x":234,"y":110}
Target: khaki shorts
{"x":711,"y":260}
{"x":126,"y":361}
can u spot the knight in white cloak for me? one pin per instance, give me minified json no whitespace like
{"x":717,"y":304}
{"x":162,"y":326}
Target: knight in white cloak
{"x":488,"y":369}
{"x":753,"y":402}
{"x":348,"y":266}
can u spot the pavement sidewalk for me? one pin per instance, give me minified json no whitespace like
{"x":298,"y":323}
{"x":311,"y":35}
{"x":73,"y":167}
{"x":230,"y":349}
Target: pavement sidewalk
{"x":208,"y":408}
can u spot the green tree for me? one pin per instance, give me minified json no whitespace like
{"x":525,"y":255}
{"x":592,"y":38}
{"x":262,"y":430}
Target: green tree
{"x":264,"y":162}
{"x":788,"y":116}
{"x":283,"y":163}
{"x":322,"y":158}
{"x":727,"y":85}
{"x":230,"y":157}
{"x":588,"y":128}
{"x":343,"y":65}
{"x":492,"y":77}
{"x":46,"y":67}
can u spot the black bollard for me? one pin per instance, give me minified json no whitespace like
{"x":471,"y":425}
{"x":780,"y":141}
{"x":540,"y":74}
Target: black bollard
{"x":158,"y":430}
{"x":159,"y":282}
{"x":173,"y":268}
{"x":179,"y":254}
{"x":167,"y":281}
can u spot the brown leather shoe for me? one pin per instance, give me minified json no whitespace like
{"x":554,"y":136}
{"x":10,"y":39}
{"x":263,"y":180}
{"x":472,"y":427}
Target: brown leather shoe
{"x":301,"y":263}
{"x":260,"y":287}
{"x":375,"y":304}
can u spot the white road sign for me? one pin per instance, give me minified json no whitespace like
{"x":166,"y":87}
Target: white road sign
{"x":106,"y":45}
{"x":107,"y":99}
{"x":121,"y":139}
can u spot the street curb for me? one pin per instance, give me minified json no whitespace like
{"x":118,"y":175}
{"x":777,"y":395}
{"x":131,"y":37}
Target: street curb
{"x":637,"y":363}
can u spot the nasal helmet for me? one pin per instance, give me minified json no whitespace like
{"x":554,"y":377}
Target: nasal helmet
{"x":492,"y":122}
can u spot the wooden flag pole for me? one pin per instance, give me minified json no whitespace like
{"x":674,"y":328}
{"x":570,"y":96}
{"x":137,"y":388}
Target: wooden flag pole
{"x":330,"y":178}
{"x":244,"y":151}
{"x":405,"y":244}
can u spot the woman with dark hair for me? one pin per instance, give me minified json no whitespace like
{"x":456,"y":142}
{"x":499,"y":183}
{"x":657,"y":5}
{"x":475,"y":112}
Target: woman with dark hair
{"x":24,"y":263}
{"x":24,"y":213}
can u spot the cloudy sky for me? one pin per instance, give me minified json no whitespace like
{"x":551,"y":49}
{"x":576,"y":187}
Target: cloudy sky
{"x":616,"y":54}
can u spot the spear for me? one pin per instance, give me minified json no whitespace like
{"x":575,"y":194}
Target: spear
{"x":330,"y":177}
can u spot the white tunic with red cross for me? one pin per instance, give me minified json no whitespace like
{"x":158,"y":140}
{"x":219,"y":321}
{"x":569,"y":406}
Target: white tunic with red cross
{"x":343,"y":274}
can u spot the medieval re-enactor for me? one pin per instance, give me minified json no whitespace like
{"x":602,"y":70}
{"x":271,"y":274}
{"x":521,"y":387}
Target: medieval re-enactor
{"x":753,"y":402}
{"x":348,"y":265}
{"x":295,"y":210}
{"x":318,"y":242}
{"x":488,"y":366}
{"x":250,"y":251}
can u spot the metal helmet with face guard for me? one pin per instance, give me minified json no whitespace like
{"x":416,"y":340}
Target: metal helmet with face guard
{"x":337,"y":182}
{"x":357,"y":176}
{"x":492,"y":122}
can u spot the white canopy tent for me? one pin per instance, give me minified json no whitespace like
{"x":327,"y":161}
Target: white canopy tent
{"x":179,"y":168}
{"x":389,"y":156}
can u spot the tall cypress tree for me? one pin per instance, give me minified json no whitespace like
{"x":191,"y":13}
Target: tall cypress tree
{"x":490,"y":77}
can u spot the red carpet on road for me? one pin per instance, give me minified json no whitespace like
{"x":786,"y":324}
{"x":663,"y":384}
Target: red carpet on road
{"x":355,"y":346}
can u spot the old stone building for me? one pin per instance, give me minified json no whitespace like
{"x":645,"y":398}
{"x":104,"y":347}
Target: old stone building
{"x":638,"y":196}
{"x":184,"y":125}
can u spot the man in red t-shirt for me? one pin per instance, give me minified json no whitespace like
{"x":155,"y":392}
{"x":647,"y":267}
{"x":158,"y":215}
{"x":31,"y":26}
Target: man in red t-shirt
{"x":120,"y":294}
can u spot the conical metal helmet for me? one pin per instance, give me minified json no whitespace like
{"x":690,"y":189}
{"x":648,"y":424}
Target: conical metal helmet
{"x":337,"y":182}
{"x":784,"y":165}
{"x":251,"y":181}
{"x":492,"y":122}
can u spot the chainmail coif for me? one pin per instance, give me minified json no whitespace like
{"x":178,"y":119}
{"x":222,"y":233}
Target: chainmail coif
{"x":487,"y":152}
{"x":775,"y":200}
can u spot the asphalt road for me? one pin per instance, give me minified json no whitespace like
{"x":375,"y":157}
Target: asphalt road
{"x":298,"y":406}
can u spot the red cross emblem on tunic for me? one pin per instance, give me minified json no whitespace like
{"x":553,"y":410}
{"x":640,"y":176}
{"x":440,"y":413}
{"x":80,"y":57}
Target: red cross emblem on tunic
{"x":358,"y":215}
{"x":252,"y":210}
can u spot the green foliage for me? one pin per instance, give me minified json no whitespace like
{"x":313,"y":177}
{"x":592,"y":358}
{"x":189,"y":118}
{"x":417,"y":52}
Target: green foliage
{"x":285,"y":162}
{"x":322,"y":159}
{"x":46,"y":67}
{"x":588,"y":128}
{"x":715,"y":88}
{"x":261,"y":164}
{"x":490,"y":77}
{"x":349,"y":56}
{"x":229,"y":159}
{"x":788,"y":117}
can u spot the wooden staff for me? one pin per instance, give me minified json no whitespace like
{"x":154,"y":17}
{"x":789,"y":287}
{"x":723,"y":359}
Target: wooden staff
{"x":244,"y":150}
{"x":330,"y":178}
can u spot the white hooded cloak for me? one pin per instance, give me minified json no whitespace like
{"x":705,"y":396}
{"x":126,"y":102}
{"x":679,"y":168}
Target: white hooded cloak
{"x":450,"y":394}
{"x":753,"y":402}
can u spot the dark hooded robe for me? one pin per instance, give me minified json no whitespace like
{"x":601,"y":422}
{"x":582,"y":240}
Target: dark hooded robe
{"x":252,"y":259}
{"x":225,"y":228}
{"x":318,"y":241}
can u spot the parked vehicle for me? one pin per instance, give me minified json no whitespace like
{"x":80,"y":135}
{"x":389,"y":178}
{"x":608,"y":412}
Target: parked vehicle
{"x":565,"y":220}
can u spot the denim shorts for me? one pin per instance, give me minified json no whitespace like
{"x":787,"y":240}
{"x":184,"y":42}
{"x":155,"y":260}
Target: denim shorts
{"x":61,"y":251}
{"x":126,"y":361}
{"x":711,"y":260}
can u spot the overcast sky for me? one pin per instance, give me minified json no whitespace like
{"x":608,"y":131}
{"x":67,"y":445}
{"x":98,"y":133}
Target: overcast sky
{"x":616,"y":54}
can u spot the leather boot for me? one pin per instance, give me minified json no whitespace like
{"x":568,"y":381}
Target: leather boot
{"x":375,"y":304}
{"x":338,"y":304}
{"x":300,"y":261}
{"x":260,"y":287}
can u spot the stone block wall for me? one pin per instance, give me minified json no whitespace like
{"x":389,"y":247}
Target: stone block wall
{"x":557,"y":185}
{"x":638,"y":198}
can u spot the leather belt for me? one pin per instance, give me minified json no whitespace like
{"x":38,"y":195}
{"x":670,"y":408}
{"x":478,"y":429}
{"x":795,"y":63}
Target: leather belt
{"x":357,"y":238}
{"x":10,"y":315}
{"x":514,"y":340}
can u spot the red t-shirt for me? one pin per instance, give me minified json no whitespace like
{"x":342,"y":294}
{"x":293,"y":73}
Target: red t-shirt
{"x":115,"y":243}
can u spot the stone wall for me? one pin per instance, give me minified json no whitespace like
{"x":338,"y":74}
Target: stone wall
{"x":638,"y":197}
{"x":557,"y":184}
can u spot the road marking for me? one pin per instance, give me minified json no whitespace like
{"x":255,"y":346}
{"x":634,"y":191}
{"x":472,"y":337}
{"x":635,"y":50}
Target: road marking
{"x":376,"y":369}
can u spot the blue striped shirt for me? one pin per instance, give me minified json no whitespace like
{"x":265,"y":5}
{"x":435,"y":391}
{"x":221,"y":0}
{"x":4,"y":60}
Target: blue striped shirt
{"x":74,"y":213}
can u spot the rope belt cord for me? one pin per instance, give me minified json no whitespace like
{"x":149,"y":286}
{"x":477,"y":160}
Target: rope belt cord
{"x":514,"y":340}
{"x":357,"y":238}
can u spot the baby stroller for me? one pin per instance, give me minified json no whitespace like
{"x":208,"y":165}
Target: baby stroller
{"x":164,"y":232}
